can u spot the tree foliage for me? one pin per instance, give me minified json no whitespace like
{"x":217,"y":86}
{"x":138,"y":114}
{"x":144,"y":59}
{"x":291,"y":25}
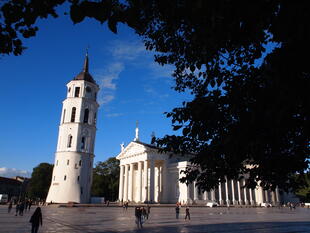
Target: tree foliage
{"x":40,"y":181}
{"x":250,"y":108}
{"x":106,"y":179}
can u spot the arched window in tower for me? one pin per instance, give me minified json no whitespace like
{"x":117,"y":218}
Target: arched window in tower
{"x":69,"y":141}
{"x":73,"y":114}
{"x":86,"y":114}
{"x":77,"y":92}
{"x":83,"y":143}
{"x":64,"y":115}
{"x":80,"y":163}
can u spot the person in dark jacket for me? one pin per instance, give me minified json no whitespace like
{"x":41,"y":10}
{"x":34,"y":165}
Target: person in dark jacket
{"x":17,"y":208}
{"x":36,"y":220}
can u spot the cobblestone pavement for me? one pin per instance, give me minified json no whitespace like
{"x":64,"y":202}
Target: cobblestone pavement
{"x":162,"y":219}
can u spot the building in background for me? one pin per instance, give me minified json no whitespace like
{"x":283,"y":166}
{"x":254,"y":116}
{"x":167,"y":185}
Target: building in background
{"x":72,"y":174}
{"x":14,"y":187}
{"x":149,"y":176}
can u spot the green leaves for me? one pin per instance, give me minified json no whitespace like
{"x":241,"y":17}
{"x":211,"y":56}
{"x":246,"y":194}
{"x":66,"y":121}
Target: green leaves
{"x":40,"y":181}
{"x":105,"y":179}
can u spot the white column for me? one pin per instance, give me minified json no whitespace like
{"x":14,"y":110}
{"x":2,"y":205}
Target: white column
{"x":245,"y":194}
{"x":145,"y":181}
{"x":152,"y":174}
{"x":195,"y":191}
{"x":130,"y":195}
{"x":226,"y":192}
{"x":165,"y":192}
{"x":156,"y":181}
{"x":126,"y":183}
{"x":277,"y":195}
{"x":239,"y":193}
{"x":251,"y":197}
{"x":212,"y":195}
{"x":160,"y":190}
{"x":266,"y":196}
{"x":139,"y":181}
{"x":205,"y":195}
{"x":233,"y":192}
{"x":273,"y":197}
{"x":121,"y":183}
{"x":220,"y":194}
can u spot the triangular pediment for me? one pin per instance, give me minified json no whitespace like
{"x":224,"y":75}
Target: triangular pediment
{"x":133,"y":149}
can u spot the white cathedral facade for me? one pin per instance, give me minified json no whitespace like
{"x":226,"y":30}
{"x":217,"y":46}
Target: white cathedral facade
{"x":147,"y":176}
{"x":72,"y":174}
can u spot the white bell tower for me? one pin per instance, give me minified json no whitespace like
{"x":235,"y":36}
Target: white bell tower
{"x":72,"y":174}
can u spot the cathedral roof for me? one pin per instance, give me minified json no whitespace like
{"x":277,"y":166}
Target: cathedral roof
{"x":85,"y":75}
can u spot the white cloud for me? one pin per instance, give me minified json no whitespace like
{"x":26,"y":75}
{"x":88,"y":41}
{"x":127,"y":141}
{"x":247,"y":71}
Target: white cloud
{"x":127,"y":50}
{"x":158,"y":71}
{"x":104,"y":99}
{"x":106,"y":79}
{"x":114,"y":114}
{"x":11,"y":172}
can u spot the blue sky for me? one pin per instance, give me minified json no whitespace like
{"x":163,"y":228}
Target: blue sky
{"x":133,"y":87}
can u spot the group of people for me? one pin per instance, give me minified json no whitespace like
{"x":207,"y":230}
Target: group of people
{"x":142,"y":214}
{"x":177,"y":211}
{"x":21,"y":206}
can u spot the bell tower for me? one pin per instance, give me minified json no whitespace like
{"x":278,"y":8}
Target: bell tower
{"x":72,"y":174}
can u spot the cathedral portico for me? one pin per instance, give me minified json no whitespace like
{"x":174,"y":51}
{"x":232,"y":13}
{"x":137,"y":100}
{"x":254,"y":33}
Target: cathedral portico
{"x":147,"y":176}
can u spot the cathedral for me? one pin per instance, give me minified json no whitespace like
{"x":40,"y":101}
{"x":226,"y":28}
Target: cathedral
{"x":72,"y":174}
{"x":147,"y":176}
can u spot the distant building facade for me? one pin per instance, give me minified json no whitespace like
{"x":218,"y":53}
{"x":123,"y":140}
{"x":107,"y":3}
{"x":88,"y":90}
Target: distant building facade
{"x":72,"y":174}
{"x":149,"y":176}
{"x":14,"y":187}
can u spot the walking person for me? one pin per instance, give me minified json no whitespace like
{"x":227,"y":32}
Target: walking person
{"x":138,"y":214}
{"x":29,"y":205}
{"x":21,"y":208}
{"x":177,"y":212}
{"x":10,"y":207}
{"x":144,"y":214}
{"x":36,"y":220}
{"x":148,"y":211}
{"x":187,"y":214}
{"x":17,"y":208}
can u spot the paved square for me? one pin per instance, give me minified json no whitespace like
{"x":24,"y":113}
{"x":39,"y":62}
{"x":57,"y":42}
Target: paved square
{"x":162,"y":219}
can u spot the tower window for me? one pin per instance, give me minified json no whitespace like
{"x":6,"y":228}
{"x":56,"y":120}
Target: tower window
{"x":80,"y":163}
{"x":78,"y":178}
{"x":68,"y":162}
{"x":57,"y":163}
{"x":77,"y":92}
{"x":65,"y":177}
{"x":86,"y":114}
{"x":54,"y":178}
{"x":63,"y":117}
{"x":95,"y":117}
{"x":73,"y":114}
{"x":81,"y":190}
{"x":83,"y":143}
{"x":69,"y":89}
{"x":69,"y":141}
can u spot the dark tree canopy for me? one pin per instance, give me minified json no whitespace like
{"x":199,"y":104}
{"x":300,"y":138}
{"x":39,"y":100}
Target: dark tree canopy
{"x":40,"y":181}
{"x":106,"y":179}
{"x":250,"y":109}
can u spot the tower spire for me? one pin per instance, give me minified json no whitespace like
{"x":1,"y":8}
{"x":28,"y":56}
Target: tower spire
{"x":85,"y":67}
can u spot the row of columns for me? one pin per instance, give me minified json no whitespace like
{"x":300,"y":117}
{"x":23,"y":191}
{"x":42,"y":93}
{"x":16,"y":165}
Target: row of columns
{"x":248,"y":194}
{"x":146,"y":182}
